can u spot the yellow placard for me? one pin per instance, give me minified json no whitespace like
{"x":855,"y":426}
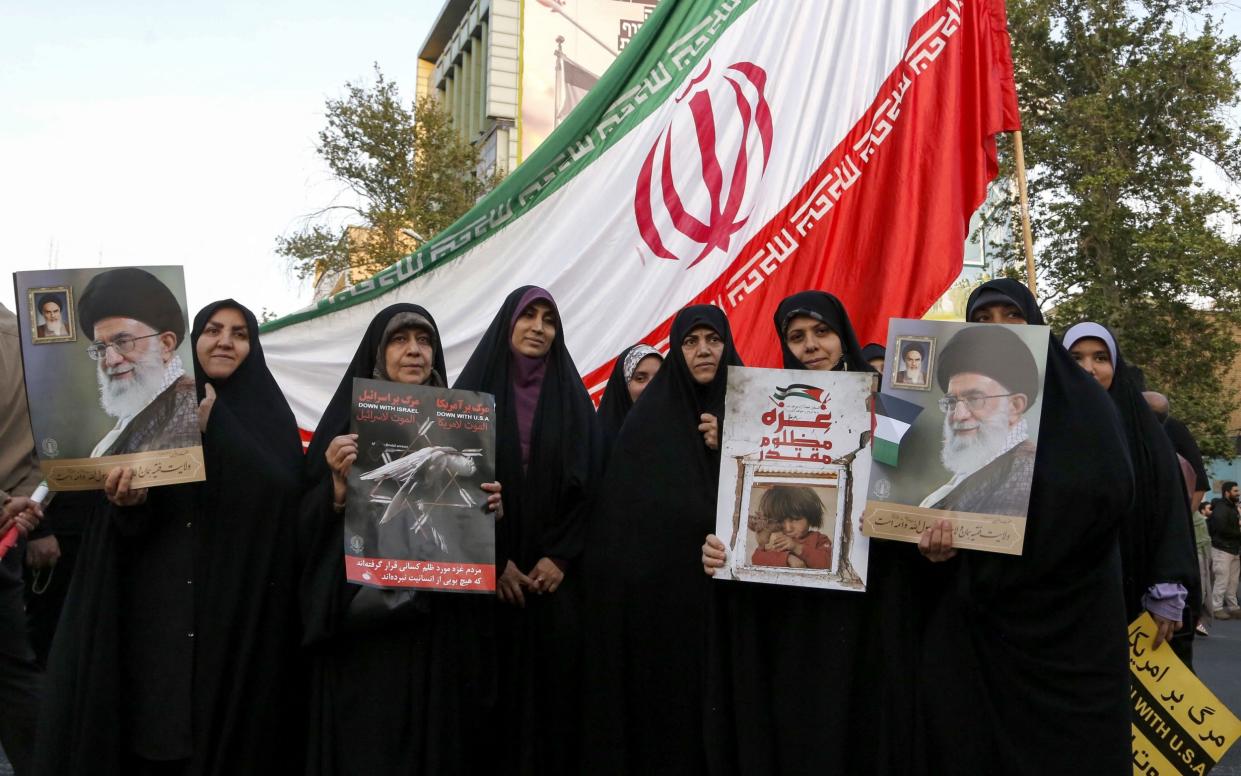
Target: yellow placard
{"x":1179,"y":726}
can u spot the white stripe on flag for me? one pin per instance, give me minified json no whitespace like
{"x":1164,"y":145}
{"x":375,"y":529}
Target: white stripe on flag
{"x":890,"y":429}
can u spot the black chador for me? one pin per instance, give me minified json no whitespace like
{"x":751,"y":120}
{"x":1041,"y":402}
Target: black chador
{"x":400,"y":681}
{"x":799,"y":676}
{"x":615,"y":403}
{"x":1025,"y":666}
{"x":647,"y":597}
{"x":1157,"y":538}
{"x":177,"y":646}
{"x":549,"y":453}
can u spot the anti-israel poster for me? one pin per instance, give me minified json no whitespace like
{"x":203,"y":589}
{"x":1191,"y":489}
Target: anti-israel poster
{"x":109,"y":375}
{"x":956,"y":432}
{"x":416,"y":514}
{"x":794,"y":467}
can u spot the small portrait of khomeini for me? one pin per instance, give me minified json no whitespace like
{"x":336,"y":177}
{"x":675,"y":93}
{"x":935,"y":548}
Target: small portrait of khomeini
{"x":913,"y":362}
{"x":51,"y":315}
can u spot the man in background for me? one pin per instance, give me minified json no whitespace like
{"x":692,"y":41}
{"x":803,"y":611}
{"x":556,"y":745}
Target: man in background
{"x":1202,"y":543}
{"x":1225,"y":526}
{"x":1183,"y":442}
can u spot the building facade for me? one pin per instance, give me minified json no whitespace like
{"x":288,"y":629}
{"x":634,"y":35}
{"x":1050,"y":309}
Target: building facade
{"x":471,"y":62}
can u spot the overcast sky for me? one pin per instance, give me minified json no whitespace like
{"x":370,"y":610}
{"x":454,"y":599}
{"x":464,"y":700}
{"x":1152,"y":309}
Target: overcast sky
{"x":168,"y":133}
{"x":179,"y":133}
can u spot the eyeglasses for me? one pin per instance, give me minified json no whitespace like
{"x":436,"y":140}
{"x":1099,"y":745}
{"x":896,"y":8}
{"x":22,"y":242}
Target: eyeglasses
{"x":948,"y":404}
{"x":122,"y":345}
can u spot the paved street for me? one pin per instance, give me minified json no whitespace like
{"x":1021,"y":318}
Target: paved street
{"x":1218,"y":662}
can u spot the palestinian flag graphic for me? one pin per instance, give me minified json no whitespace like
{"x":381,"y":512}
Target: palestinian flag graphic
{"x":798,"y":390}
{"x":893,"y":417}
{"x":737,"y":151}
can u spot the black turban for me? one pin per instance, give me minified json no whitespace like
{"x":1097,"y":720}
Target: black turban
{"x":52,"y":296}
{"x":992,"y":350}
{"x":130,"y":292}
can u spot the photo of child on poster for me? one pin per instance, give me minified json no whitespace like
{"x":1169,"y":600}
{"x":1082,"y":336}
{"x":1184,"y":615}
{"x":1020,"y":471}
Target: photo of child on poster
{"x":122,"y":394}
{"x":795,"y":462}
{"x":415,"y":513}
{"x":789,"y":526}
{"x":969,"y":454}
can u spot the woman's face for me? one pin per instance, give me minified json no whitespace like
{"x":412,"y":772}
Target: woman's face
{"x":224,"y":343}
{"x":1091,"y":354}
{"x":1000,"y":312}
{"x":408,"y":356}
{"x":642,"y":375}
{"x":703,"y":348}
{"x":535,"y":330}
{"x":813,"y":343}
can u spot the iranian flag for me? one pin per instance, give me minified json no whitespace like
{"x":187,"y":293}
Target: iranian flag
{"x":736,"y":152}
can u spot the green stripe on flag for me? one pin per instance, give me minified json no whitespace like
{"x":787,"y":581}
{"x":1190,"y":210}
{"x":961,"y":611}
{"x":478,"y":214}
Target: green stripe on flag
{"x":884,"y":451}
{"x":663,"y":54}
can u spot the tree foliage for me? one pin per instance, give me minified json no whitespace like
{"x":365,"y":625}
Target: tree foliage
{"x":406,"y":172}
{"x":1124,"y":106}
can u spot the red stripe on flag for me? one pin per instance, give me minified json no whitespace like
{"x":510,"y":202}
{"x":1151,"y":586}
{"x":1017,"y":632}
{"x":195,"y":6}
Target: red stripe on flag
{"x":426,"y":575}
{"x":882,"y":222}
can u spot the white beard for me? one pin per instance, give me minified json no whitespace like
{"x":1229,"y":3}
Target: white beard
{"x":914,"y":377}
{"x":125,"y":399}
{"x":58,"y":329}
{"x":966,"y":455}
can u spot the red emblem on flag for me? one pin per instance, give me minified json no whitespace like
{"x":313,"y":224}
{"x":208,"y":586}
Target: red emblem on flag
{"x":700,"y":201}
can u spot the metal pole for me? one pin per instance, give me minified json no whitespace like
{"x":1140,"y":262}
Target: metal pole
{"x":1027,"y":235}
{"x":589,"y":34}
{"x":559,"y":78}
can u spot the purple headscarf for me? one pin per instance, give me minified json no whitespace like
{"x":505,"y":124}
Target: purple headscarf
{"x":527,"y":374}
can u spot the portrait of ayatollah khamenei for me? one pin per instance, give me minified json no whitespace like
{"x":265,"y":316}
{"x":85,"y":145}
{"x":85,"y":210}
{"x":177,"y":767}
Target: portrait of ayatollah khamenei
{"x":965,"y":444}
{"x":121,"y":391}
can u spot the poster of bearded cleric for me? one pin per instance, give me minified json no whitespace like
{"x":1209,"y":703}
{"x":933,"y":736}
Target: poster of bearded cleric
{"x":109,"y":375}
{"x":416,"y":514}
{"x":959,"y":441}
{"x":794,"y":469}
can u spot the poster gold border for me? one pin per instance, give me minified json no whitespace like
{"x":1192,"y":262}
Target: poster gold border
{"x":918,"y":519}
{"x":175,"y":466}
{"x":71,"y":320}
{"x":927,"y":367}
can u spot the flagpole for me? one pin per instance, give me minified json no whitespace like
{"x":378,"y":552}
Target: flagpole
{"x":559,"y":75}
{"x":588,"y":33}
{"x":1027,"y":235}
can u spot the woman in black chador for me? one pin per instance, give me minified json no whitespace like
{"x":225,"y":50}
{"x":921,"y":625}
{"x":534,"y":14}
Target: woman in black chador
{"x":634,"y":369}
{"x":1157,"y":551}
{"x":548,"y":454}
{"x":1025,"y":666}
{"x":401,"y":681}
{"x":647,"y":599}
{"x":177,"y":649}
{"x":791,"y":666}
